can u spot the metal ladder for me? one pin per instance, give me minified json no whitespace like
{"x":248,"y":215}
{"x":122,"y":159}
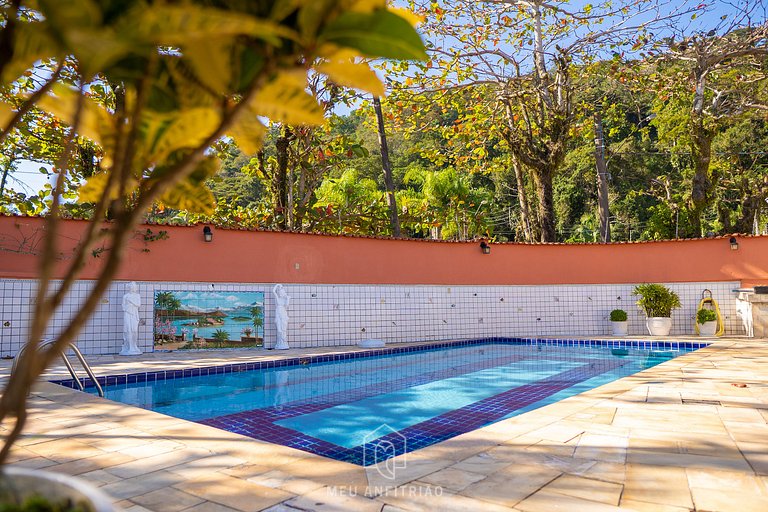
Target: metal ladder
{"x":65,"y":359}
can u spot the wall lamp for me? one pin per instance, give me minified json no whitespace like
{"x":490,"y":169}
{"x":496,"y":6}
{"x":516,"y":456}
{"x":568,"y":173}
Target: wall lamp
{"x":207,"y":234}
{"x":485,"y":247}
{"x":734,"y":244}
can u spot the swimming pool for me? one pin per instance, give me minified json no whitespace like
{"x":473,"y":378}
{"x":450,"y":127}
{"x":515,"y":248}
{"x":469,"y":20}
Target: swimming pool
{"x":366,"y":407}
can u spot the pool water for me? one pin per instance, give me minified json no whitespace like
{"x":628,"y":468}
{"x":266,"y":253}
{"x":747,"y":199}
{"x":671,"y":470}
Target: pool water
{"x":366,"y":409}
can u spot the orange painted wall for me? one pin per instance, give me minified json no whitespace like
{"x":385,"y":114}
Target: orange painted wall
{"x":245,"y":256}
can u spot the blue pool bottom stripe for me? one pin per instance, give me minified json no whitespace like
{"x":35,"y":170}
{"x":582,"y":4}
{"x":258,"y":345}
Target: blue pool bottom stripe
{"x":258,"y":425}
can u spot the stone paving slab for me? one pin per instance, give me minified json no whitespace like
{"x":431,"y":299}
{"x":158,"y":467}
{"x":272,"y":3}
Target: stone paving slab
{"x":679,"y":436}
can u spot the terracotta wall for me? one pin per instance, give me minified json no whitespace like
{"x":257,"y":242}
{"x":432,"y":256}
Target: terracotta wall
{"x":244,"y":256}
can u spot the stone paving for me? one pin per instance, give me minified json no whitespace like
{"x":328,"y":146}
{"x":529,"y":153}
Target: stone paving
{"x":689,"y":434}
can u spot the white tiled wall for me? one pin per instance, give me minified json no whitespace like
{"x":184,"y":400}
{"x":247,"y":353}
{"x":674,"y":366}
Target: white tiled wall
{"x":328,"y":315}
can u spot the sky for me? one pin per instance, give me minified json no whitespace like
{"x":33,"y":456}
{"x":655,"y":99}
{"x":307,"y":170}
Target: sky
{"x":27,"y":179}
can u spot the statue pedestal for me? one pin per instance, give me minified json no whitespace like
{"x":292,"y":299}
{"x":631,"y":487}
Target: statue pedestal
{"x":753,"y":309}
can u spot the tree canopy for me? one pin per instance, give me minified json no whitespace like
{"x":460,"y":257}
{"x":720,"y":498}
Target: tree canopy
{"x":503,"y":110}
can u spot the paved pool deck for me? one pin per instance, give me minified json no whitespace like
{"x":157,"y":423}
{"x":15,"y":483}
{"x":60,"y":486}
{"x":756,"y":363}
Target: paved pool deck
{"x":688,"y":434}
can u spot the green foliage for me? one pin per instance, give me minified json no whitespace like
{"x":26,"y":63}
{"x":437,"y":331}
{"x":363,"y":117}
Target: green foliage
{"x":656,"y":300}
{"x":618,"y":315}
{"x":151,"y":236}
{"x":705,"y":315}
{"x":38,"y":503}
{"x":381,"y":33}
{"x":351,"y":204}
{"x":436,"y":119}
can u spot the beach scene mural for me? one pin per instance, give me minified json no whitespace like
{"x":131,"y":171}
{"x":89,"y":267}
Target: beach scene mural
{"x":198,"y":320}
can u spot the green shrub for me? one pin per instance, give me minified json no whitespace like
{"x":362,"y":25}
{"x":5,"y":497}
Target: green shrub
{"x":618,"y":315}
{"x":37,"y":503}
{"x":656,"y":299}
{"x":705,"y":315}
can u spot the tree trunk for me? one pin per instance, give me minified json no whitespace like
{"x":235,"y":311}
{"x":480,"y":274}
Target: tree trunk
{"x":522,"y":198}
{"x":750,"y":207}
{"x":543,"y":180}
{"x":724,"y":216}
{"x":394,"y":220}
{"x":6,"y":170}
{"x":702,"y":185}
{"x":281,"y":177}
{"x":602,"y":181}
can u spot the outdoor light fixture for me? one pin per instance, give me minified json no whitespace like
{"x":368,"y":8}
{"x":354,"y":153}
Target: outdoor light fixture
{"x":207,"y":234}
{"x":734,"y":244}
{"x":485,"y":247}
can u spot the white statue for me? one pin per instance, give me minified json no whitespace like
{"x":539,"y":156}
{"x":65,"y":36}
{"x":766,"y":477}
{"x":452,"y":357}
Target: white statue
{"x":282,"y":300}
{"x":131,"y":304}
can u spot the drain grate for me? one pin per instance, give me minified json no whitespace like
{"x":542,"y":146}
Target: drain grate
{"x":693,"y":401}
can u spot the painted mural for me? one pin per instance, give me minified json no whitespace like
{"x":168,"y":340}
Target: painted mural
{"x":197,"y":320}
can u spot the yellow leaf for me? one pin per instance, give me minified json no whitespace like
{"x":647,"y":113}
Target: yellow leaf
{"x":191,"y":193}
{"x":211,"y":61}
{"x":166,"y":133}
{"x":95,"y":187}
{"x":185,"y":93}
{"x":198,"y":199}
{"x":32,"y":42}
{"x":285,"y":99}
{"x":409,"y":16}
{"x":365,"y":6}
{"x":248,"y":132}
{"x":177,"y":25}
{"x":311,"y":16}
{"x":194,"y":199}
{"x":342,"y":69}
{"x":64,"y":14}
{"x":95,"y":49}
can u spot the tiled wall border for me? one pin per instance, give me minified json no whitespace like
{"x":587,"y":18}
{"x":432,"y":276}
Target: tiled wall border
{"x":162,"y":375}
{"x":337,"y":315}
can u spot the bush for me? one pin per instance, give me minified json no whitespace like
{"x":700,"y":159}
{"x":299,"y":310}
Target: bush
{"x":656,"y":299}
{"x":705,"y":315}
{"x":618,"y":315}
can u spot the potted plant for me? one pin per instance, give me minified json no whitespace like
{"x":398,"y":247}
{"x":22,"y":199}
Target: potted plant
{"x":245,"y":335}
{"x":706,"y":321}
{"x":618,"y":322}
{"x":35,"y":490}
{"x":657,"y":301}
